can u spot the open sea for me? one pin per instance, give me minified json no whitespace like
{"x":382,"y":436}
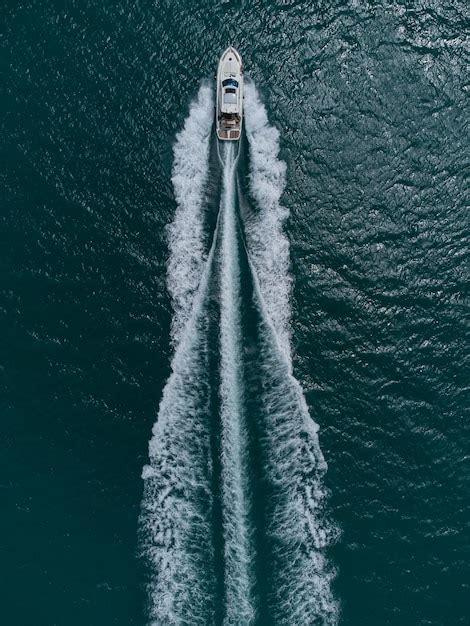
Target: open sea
{"x":234,"y":378}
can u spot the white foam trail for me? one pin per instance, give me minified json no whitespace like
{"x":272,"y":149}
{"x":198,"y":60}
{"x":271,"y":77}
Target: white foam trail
{"x":298,"y":526}
{"x":238,"y":550}
{"x":177,"y":502}
{"x":186,"y":233}
{"x":177,"y":510}
{"x":176,"y":519}
{"x":268,"y":245}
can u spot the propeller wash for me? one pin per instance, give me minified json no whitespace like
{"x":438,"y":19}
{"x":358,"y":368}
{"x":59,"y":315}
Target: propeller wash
{"x":234,"y":528}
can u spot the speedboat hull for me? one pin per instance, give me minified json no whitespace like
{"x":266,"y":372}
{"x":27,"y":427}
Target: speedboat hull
{"x":229,"y":101}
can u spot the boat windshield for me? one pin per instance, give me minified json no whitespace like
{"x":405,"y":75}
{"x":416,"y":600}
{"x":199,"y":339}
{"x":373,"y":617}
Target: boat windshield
{"x":230,"y":81}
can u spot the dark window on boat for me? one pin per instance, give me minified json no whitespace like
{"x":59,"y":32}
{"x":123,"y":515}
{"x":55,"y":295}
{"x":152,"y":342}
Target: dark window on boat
{"x":230,"y":90}
{"x":230,"y":81}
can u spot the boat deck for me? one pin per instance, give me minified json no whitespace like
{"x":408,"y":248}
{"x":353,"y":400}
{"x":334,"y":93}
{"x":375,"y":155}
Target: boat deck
{"x":228,"y":134}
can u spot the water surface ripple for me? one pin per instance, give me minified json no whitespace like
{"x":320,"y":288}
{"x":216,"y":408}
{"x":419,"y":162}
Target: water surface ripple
{"x":371,"y":102}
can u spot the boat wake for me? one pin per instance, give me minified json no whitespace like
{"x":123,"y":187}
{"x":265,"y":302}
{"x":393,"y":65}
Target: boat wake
{"x":233,"y":525}
{"x":186,"y":232}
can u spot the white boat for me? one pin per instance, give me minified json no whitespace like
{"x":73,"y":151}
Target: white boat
{"x":229,"y":105}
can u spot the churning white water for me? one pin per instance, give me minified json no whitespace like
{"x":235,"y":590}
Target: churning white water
{"x":176,"y":518}
{"x":298,"y":526}
{"x":186,"y":232}
{"x":236,"y":505}
{"x":182,"y":486}
{"x":267,"y":242}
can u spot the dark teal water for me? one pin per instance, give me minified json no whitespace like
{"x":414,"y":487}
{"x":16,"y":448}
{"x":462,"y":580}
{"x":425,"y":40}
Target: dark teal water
{"x":371,"y":104}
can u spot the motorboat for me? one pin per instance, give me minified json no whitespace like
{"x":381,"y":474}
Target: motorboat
{"x":229,"y":104}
